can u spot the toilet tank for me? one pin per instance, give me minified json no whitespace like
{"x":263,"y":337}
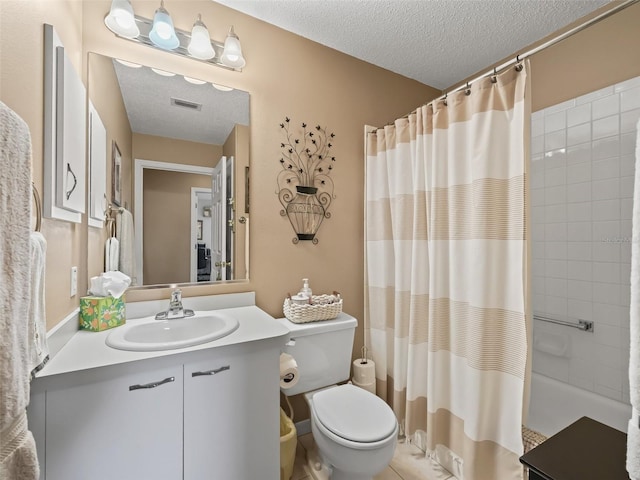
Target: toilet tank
{"x":322,"y":351}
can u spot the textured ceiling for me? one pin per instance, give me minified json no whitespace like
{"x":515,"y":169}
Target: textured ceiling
{"x":147,"y":99}
{"x":437,"y":42}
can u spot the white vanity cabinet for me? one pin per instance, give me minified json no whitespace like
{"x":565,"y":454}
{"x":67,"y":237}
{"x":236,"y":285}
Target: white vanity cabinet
{"x":115,"y":425}
{"x":231,"y":417}
{"x":206,"y":414}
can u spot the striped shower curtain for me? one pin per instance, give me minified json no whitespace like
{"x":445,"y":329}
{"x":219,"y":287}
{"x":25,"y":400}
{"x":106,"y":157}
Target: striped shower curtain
{"x":446,"y":269}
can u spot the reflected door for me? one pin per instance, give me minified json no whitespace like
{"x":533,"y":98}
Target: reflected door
{"x":222,"y":224}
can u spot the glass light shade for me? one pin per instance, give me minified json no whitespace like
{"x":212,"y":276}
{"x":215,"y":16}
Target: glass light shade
{"x":121,"y":20}
{"x":200,"y":45}
{"x":232,"y":54}
{"x":162,"y":34}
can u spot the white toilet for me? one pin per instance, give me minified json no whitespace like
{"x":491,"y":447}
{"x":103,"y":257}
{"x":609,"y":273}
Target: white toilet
{"x":354,"y":431}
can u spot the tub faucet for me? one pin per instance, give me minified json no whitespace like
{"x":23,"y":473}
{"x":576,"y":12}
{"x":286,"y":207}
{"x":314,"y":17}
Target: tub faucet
{"x":176,"y":310}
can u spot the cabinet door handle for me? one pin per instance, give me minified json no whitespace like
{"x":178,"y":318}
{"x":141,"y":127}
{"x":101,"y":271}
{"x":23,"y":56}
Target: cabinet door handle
{"x":153,"y":384}
{"x":211,"y":372}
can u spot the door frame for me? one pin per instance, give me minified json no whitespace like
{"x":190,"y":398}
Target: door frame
{"x":139,"y":166}
{"x":193,"y":273}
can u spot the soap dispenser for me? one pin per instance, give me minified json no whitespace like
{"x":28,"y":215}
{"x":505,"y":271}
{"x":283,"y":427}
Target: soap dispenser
{"x":306,"y":291}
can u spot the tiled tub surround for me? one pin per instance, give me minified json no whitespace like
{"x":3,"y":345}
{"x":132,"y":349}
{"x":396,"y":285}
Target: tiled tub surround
{"x":582,"y":177}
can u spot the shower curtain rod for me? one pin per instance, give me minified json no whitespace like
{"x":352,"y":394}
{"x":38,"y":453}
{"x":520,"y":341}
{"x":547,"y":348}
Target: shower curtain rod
{"x":522,"y":56}
{"x":547,"y":44}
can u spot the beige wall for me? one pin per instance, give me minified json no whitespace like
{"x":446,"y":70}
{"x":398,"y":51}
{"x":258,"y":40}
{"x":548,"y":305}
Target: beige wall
{"x":604,"y":54}
{"x":601,"y":55}
{"x":167,"y":225}
{"x":162,"y":149}
{"x":21,"y":88}
{"x":286,"y":76}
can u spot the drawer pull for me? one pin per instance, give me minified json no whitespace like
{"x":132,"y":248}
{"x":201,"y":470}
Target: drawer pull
{"x":211,"y":372}
{"x":153,"y":384}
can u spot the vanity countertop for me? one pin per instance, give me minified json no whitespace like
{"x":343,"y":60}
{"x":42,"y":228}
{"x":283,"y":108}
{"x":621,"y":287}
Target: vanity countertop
{"x":87,"y":350}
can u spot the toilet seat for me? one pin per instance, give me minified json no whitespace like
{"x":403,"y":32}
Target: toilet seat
{"x":354,"y":415}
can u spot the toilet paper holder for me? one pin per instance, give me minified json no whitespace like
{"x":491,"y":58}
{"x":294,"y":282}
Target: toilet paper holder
{"x":364,"y":372}
{"x":365,"y":359}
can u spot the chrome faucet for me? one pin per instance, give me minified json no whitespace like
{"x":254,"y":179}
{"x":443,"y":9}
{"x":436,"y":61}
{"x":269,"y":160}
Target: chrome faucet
{"x":176,"y":310}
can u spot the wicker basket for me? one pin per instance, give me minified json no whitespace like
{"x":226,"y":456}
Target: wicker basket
{"x":322,"y":307}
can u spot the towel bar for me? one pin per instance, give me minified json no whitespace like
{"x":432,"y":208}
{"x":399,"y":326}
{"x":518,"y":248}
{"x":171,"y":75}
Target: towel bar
{"x":584,"y":325}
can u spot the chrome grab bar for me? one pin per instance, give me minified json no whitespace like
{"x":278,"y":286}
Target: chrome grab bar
{"x":153,"y":384}
{"x":584,"y":325}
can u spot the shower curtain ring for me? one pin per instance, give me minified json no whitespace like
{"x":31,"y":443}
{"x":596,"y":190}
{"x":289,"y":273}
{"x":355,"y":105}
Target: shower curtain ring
{"x":519,"y":66}
{"x":467,"y":91}
{"x":445,"y":100}
{"x":494,"y":77}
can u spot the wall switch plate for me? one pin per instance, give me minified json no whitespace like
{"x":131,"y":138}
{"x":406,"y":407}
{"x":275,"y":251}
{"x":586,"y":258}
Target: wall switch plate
{"x":74,"y":281}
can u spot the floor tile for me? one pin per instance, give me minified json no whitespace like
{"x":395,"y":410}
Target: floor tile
{"x":410,"y":463}
{"x":306,"y":441}
{"x":299,"y":468}
{"x":388,"y":474}
{"x":299,"y":471}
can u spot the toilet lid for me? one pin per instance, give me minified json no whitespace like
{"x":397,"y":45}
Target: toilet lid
{"x":354,"y":414}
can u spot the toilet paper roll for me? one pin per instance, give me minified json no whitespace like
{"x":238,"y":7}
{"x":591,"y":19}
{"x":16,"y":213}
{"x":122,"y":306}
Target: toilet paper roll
{"x":288,"y":371}
{"x":370,"y":387}
{"x":364,"y":373}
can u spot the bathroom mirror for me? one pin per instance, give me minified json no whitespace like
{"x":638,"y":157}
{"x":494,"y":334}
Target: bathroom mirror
{"x":183,"y":147}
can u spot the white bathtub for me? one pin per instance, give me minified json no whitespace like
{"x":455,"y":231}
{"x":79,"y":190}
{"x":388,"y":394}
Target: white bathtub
{"x":555,"y":405}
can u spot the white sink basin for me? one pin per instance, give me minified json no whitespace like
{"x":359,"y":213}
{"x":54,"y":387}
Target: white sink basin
{"x":151,"y":335}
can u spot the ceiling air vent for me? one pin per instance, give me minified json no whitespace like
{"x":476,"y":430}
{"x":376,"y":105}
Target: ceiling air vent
{"x":186,"y":104}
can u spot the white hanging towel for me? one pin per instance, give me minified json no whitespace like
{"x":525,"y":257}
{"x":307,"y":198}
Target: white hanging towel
{"x":633,"y":434}
{"x":18,"y":457}
{"x":111,"y":254}
{"x":37,"y":318}
{"x":124,"y":234}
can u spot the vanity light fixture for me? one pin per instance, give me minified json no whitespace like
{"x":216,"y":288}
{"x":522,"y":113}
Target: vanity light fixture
{"x":200,"y":44}
{"x":121,"y":20}
{"x":160,"y":33}
{"x":163,"y":34}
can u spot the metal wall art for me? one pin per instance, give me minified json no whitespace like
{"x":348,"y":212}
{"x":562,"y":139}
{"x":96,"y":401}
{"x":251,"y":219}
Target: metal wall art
{"x":305,"y":188}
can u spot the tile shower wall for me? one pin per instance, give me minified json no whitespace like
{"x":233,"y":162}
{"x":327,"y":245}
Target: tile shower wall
{"x":582,"y":177}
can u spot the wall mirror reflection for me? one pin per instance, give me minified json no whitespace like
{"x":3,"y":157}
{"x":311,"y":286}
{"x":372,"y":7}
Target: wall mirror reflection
{"x":184,"y":145}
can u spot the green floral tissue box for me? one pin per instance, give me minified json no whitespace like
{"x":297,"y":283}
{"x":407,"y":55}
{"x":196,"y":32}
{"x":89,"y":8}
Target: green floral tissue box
{"x":101,"y":313}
